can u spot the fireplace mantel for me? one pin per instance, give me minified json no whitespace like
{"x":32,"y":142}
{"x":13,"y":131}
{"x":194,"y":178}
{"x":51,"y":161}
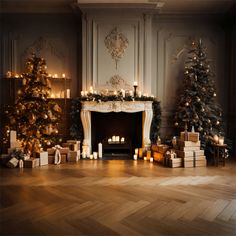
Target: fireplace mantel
{"x":115,"y":106}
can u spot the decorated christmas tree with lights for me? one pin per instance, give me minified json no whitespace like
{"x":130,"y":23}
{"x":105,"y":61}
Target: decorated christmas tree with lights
{"x":197,"y":106}
{"x":34,"y":117}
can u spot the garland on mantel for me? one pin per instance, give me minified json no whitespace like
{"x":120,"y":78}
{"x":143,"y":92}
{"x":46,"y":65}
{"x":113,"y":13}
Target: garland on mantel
{"x":76,"y":129}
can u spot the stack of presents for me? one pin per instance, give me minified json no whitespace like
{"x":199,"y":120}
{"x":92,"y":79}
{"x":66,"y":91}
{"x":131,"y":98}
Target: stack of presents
{"x":186,"y":152}
{"x":69,"y":152}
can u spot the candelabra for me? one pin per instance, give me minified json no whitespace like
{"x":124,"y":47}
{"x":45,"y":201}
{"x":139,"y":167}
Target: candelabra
{"x":135,"y":90}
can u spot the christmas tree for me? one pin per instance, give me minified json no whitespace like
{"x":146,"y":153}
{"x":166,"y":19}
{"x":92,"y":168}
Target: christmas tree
{"x":34,"y":117}
{"x":197,"y":106}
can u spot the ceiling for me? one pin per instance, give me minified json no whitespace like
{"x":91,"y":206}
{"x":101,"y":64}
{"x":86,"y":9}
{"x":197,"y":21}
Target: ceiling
{"x":161,"y":6}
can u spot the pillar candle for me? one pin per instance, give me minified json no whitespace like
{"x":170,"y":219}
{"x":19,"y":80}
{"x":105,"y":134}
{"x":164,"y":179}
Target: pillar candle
{"x":91,"y":156}
{"x":221,"y":140}
{"x":145,"y":158}
{"x":135,"y":157}
{"x":88,"y":151}
{"x":21,"y":164}
{"x":136,"y":151}
{"x":84,"y":155}
{"x":149,"y":155}
{"x":95,"y":155}
{"x":100,"y":150}
{"x":68,"y":93}
{"x":140,"y":152}
{"x":151,"y":159}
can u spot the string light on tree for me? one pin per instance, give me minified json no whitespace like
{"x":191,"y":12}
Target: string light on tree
{"x":199,"y":88}
{"x":33,"y":115}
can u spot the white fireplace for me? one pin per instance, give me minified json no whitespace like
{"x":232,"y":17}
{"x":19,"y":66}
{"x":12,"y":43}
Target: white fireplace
{"x":115,"y":106}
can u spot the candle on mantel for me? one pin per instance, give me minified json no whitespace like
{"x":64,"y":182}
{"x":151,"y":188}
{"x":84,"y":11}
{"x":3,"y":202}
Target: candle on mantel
{"x":123,"y":92}
{"x":140,"y":94}
{"x":63,"y":75}
{"x":91,"y":156}
{"x":84,"y":155}
{"x":55,"y":75}
{"x":82,"y":93}
{"x":151,"y":159}
{"x":109,"y":140}
{"x":113,"y":138}
{"x":135,"y":157}
{"x":135,"y":83}
{"x":117,"y":138}
{"x":145,"y":158}
{"x":136,"y":151}
{"x":131,"y":93}
{"x":122,"y":139}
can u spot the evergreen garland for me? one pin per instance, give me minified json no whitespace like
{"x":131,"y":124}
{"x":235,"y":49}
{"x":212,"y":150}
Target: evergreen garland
{"x":76,"y":129}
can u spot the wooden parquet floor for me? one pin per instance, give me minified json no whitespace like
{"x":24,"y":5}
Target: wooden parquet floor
{"x":118,"y":198}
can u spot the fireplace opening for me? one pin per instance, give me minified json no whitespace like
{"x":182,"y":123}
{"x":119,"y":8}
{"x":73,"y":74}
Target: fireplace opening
{"x":108,"y":126}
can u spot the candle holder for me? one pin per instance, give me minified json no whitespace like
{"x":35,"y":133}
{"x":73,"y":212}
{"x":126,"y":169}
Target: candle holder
{"x":135,"y":90}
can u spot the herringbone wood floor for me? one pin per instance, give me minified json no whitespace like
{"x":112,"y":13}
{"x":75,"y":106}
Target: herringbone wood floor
{"x":118,"y":198}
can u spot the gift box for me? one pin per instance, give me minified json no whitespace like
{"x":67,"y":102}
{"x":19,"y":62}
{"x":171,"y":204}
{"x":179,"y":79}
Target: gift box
{"x":184,"y":153}
{"x":63,"y":158}
{"x":73,"y":156}
{"x":154,"y":148}
{"x":188,"y":162}
{"x":12,"y":163}
{"x":159,"y":157}
{"x":198,"y":153}
{"x":200,"y":163}
{"x":189,"y":148}
{"x":175,"y":162}
{"x":73,"y":141}
{"x":162,"y":148}
{"x":31,"y":163}
{"x":51,"y":151}
{"x":43,"y":158}
{"x":68,"y":145}
{"x":75,"y":144}
{"x":191,"y":136}
{"x":182,"y":143}
{"x":64,"y":150}
{"x":51,"y":159}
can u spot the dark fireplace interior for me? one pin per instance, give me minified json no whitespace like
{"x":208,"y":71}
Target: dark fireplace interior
{"x":127,"y":125}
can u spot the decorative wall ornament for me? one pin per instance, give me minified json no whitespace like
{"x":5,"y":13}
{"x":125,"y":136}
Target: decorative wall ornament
{"x":178,"y":53}
{"x":116,"y":44}
{"x":117,"y":82}
{"x":41,"y":44}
